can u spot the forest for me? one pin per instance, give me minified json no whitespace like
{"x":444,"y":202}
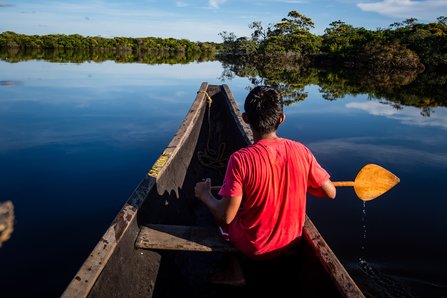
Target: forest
{"x":404,"y":45}
{"x":407,"y":45}
{"x":141,"y":46}
{"x":405,"y":62}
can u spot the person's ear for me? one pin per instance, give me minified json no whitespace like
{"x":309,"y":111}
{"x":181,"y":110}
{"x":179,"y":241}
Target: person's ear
{"x":245,"y":118}
{"x":282,"y":118}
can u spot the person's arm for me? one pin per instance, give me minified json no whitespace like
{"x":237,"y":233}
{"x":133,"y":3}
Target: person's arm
{"x":326,"y":190}
{"x":223,"y":210}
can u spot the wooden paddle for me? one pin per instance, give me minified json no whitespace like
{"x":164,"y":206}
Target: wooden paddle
{"x":371,"y":181}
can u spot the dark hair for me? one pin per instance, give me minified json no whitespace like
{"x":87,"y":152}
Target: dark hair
{"x":264,"y":108}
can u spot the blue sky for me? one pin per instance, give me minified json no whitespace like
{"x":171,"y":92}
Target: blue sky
{"x":200,"y":20}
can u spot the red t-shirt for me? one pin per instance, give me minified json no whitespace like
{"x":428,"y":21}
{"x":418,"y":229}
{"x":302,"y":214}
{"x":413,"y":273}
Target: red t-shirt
{"x":272,"y":177}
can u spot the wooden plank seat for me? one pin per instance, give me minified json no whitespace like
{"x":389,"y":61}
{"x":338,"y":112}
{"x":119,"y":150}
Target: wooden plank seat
{"x":177,"y":237}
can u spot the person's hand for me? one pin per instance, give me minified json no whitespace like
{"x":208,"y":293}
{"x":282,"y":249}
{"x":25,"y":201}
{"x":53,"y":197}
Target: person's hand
{"x":203,"y":189}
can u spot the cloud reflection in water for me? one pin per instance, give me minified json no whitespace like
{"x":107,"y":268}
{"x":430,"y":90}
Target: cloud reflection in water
{"x":407,"y":115}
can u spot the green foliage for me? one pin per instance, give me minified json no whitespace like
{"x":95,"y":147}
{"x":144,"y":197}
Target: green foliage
{"x":289,"y":39}
{"x":292,"y":34}
{"x":105,"y":54}
{"x":406,"y":88}
{"x":383,"y":63}
{"x":345,"y":41}
{"x":123,"y":48}
{"x":229,"y":43}
{"x":428,"y":41}
{"x":289,"y":77}
{"x":395,"y":87}
{"x":421,"y":45}
{"x":386,"y":56}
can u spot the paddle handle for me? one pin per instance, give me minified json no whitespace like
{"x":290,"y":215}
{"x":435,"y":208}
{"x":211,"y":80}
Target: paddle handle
{"x":336,"y":183}
{"x":343,"y":183}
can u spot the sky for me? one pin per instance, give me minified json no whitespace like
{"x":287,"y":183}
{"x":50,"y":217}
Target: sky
{"x":201,"y":20}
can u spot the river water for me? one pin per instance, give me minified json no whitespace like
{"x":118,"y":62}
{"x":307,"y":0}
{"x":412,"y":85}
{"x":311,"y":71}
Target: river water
{"x":76,"y":139}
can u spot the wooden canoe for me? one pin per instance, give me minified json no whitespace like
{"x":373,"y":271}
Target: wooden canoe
{"x":125,"y":262}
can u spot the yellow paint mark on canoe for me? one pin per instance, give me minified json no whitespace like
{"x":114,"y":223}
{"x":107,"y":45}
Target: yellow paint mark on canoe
{"x":159,"y":164}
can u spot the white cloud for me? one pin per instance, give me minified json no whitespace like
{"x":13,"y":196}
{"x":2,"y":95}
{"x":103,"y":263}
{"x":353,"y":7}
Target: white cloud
{"x":426,"y":10}
{"x":181,"y":3}
{"x":109,"y":20}
{"x":214,"y":4}
{"x":266,"y":2}
{"x":136,"y":24}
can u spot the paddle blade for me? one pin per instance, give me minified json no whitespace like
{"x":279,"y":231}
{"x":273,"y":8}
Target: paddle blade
{"x":373,"y":181}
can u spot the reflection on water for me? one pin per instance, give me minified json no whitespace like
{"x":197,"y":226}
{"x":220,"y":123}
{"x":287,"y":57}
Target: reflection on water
{"x":407,"y":88}
{"x":363,"y":246}
{"x":9,"y":83}
{"x":77,"y":135}
{"x":380,"y":284}
{"x":97,"y":55}
{"x":407,"y":114}
{"x":381,"y":150}
{"x":6,"y":221}
{"x":384,"y":285}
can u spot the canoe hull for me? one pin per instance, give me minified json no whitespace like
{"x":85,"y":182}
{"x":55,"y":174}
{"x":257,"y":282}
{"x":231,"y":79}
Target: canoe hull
{"x":210,"y":132}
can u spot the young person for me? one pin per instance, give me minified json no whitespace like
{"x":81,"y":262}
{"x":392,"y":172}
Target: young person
{"x":263,"y":204}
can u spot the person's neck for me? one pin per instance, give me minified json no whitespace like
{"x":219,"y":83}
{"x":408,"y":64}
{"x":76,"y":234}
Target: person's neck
{"x":267,"y":136}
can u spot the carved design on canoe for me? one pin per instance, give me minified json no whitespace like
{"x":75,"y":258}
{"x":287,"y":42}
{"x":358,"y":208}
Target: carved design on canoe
{"x":6,"y":221}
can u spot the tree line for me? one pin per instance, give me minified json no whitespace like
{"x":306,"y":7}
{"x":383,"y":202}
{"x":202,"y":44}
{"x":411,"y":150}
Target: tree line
{"x":98,"y":55}
{"x":407,"y":45}
{"x":404,"y":45}
{"x":13,"y":41}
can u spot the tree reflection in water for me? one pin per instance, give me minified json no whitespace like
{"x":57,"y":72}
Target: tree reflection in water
{"x":424,"y":90}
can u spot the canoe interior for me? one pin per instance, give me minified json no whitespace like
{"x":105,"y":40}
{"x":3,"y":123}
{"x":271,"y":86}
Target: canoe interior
{"x":185,"y":274}
{"x":172,"y":201}
{"x":116,"y":268}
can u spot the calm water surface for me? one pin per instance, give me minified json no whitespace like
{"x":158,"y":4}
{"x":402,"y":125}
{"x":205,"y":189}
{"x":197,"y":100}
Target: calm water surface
{"x":76,"y":139}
